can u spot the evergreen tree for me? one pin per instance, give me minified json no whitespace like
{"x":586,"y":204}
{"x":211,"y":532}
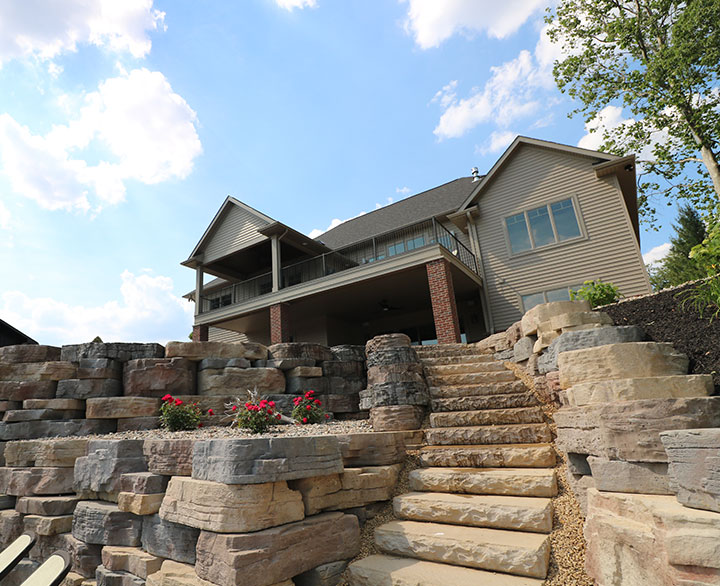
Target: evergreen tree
{"x":677,"y":268}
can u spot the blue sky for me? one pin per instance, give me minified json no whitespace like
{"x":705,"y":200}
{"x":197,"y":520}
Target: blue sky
{"x":124,"y":125}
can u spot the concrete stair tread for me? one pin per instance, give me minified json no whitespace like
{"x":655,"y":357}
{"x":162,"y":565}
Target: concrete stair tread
{"x":512,"y":552}
{"x":477,"y":390}
{"x":530,"y":482}
{"x":489,"y":434}
{"x":482,"y":417}
{"x":382,"y":570}
{"x":535,"y":455}
{"x":502,"y":512}
{"x":483,"y":402}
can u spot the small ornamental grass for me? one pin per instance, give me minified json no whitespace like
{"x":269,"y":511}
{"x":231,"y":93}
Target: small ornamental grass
{"x":256,"y":418}
{"x":176,"y":415}
{"x":308,"y":409}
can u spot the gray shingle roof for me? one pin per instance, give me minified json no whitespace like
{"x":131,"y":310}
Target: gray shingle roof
{"x":444,"y":199}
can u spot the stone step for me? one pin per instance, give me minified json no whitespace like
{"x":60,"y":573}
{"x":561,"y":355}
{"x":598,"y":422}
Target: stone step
{"x":381,"y":570}
{"x":446,"y":350}
{"x":487,"y":417}
{"x":511,"y":552}
{"x":471,"y":378}
{"x":456,"y":359}
{"x":489,"y":456}
{"x":535,"y":482}
{"x":499,"y":512}
{"x":525,"y":433}
{"x":464,"y":368}
{"x":477,"y":390}
{"x":482,"y":402}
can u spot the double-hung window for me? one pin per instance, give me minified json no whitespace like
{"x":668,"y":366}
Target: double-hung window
{"x":544,"y":225}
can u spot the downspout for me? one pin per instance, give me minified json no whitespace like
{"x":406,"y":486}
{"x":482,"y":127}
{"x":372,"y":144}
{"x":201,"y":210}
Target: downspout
{"x":475,"y":243}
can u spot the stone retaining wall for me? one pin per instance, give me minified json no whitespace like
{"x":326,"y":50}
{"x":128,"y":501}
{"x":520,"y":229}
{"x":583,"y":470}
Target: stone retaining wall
{"x":251,"y":511}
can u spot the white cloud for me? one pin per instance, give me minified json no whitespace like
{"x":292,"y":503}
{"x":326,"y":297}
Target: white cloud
{"x":497,"y":142}
{"x":148,"y":312}
{"x":4,"y":217}
{"x":148,"y":131}
{"x":291,"y":5}
{"x":432,"y":21}
{"x":608,"y":118}
{"x":43,"y":30}
{"x":404,"y":191}
{"x":657,"y":253}
{"x":512,"y":92}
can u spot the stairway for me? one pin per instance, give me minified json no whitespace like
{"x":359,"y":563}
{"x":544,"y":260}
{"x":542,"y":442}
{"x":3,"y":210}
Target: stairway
{"x":480,"y":511}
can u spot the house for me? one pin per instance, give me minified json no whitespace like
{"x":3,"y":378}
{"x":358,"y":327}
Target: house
{"x":10,"y":336}
{"x":456,"y":262}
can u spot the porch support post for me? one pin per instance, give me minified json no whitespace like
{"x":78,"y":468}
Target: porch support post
{"x":200,"y":333}
{"x":442,"y":296}
{"x":279,"y":323}
{"x":477,"y":250}
{"x":275,"y":247}
{"x":198,"y":289}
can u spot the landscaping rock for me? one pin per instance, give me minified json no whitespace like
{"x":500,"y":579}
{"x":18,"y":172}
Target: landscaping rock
{"x":395,"y":373}
{"x":130,"y":559}
{"x":545,"y":311}
{"x":71,"y":404}
{"x":273,"y":555}
{"x":391,"y":356}
{"x":171,"y":457}
{"x":105,"y":577}
{"x":346,"y":386}
{"x":106,"y":462}
{"x":632,"y":389}
{"x":630,"y":430}
{"x":632,"y":477}
{"x":301,"y":350}
{"x":300,"y":385}
{"x":37,"y":371}
{"x":121,"y":351}
{"x":344,"y":368}
{"x":57,"y":453}
{"x":89,"y":388}
{"x":226,"y":508}
{"x":154,"y":377}
{"x":85,"y":557}
{"x":385,"y":342}
{"x":396,"y":417}
{"x":325,"y":575}
{"x":523,"y":348}
{"x":694,"y":457}
{"x":143,"y":483}
{"x":569,"y":341}
{"x":169,"y":540}
{"x":104,"y":524}
{"x":382,"y":395}
{"x":239,"y":381}
{"x":372,"y":449}
{"x":89,"y":368}
{"x":355,"y":487}
{"x":216,"y":363}
{"x":304,"y":371}
{"x":260,"y":460}
{"x":46,"y":505}
{"x":138,"y":424}
{"x":15,"y":416}
{"x":45,"y":525}
{"x":348,"y":352}
{"x":122,"y":407}
{"x":197,"y":351}
{"x":22,"y":390}
{"x":36,"y":481}
{"x":29,"y":353}
{"x":67,"y":428}
{"x":341,"y":403}
{"x":284,"y":364}
{"x":11,"y":526}
{"x":618,"y":361}
{"x":140,"y":504}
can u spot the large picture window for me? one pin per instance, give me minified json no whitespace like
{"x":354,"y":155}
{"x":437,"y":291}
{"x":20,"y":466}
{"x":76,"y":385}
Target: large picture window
{"x":561,"y":294}
{"x":542,"y":226}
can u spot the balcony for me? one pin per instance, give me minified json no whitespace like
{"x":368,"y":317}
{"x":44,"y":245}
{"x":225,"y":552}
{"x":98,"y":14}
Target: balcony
{"x":374,"y":250}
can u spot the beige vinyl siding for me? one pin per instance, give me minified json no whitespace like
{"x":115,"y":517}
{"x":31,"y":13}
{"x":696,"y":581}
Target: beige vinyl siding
{"x":608,"y":249}
{"x":236,"y":230}
{"x":222,"y":335}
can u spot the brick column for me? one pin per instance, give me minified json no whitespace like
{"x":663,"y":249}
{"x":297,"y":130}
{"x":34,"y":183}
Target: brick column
{"x":279,"y":323}
{"x":442,"y":295}
{"x":200,"y":333}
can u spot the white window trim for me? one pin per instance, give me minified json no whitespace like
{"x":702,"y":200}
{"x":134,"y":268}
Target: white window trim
{"x":578,"y":218}
{"x":544,"y":293}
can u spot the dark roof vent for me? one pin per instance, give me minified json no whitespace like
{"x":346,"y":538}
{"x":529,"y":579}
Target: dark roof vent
{"x":475,"y":174}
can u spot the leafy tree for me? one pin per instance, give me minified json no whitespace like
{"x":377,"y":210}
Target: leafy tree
{"x":677,"y":268}
{"x":660,"y":59}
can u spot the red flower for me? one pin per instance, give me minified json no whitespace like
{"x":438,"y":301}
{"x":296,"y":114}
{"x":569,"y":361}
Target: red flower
{"x":234,"y":407}
{"x":167,"y":398}
{"x":304,"y":420}
{"x":317,"y":402}
{"x":308,"y":407}
{"x":211,"y":412}
{"x":309,"y":394}
{"x":278,"y":416}
{"x":178,"y":402}
{"x":271,"y":403}
{"x":200,"y":424}
{"x":327,"y":416}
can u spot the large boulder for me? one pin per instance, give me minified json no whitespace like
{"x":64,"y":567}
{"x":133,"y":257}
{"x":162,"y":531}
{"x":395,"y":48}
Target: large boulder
{"x":197,"y":351}
{"x":385,"y":342}
{"x":545,"y":311}
{"x":300,"y":350}
{"x":122,"y":351}
{"x":37,"y":371}
{"x":22,"y":390}
{"x":154,"y":377}
{"x":29,"y":353}
{"x":46,"y":452}
{"x":67,"y":428}
{"x":170,"y":457}
{"x":169,"y":540}
{"x":239,"y":381}
{"x":99,"y":473}
{"x":105,"y":524}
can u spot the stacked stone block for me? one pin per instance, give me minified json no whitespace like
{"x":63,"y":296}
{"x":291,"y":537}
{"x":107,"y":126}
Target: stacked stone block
{"x":397,"y":391}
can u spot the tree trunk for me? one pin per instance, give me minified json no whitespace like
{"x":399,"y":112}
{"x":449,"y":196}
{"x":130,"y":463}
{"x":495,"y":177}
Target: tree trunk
{"x":713,"y":168}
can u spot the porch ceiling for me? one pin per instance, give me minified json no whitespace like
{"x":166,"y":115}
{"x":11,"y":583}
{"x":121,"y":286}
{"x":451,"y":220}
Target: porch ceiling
{"x":255,"y":260}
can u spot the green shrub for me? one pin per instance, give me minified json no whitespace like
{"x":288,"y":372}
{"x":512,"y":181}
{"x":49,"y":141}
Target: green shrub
{"x":256,"y":417}
{"x":176,"y":415}
{"x":705,"y":296}
{"x":597,"y":293}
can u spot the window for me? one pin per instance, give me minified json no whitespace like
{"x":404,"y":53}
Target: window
{"x":561,"y":294}
{"x":221,"y":301}
{"x":542,"y":226}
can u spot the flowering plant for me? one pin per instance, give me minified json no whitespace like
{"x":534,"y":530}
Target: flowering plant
{"x":257,"y":417}
{"x":176,"y":415}
{"x":308,"y":409}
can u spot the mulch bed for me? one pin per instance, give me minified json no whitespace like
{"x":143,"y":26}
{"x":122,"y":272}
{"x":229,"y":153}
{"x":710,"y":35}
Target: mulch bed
{"x":665,"y":320}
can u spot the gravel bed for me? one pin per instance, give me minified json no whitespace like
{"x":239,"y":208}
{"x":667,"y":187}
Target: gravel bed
{"x":226,"y":432}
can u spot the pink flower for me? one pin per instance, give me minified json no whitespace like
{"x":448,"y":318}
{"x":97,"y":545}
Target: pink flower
{"x":271,"y":403}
